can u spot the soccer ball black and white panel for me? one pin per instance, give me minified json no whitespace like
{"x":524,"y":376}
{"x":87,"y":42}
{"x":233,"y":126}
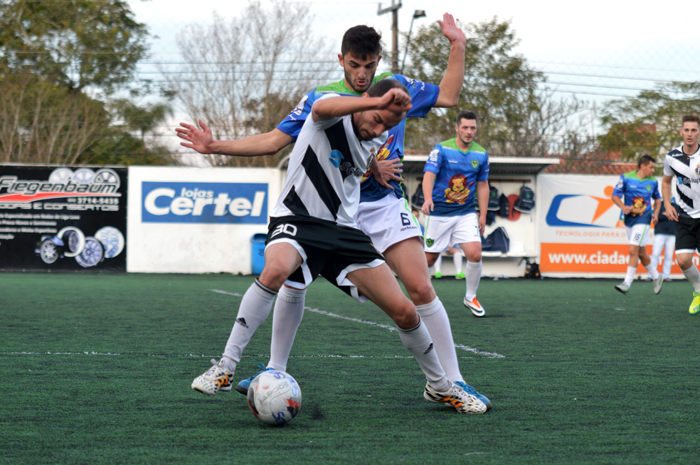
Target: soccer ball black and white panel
{"x":274,"y":397}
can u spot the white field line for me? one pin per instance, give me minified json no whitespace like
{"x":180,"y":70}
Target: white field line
{"x":372,"y":323}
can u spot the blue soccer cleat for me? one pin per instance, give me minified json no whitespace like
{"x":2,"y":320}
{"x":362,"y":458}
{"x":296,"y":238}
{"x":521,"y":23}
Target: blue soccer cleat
{"x":470,"y":390}
{"x":243,"y":385}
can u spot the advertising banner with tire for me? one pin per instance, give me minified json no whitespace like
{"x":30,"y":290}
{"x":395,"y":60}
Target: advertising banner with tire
{"x":62,"y":218}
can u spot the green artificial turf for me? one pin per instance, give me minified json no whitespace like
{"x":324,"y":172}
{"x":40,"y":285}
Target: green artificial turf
{"x":96,"y":368}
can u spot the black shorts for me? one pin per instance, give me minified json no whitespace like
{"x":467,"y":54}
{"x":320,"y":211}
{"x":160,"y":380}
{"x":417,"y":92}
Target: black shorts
{"x":687,"y":234}
{"x":326,"y":249}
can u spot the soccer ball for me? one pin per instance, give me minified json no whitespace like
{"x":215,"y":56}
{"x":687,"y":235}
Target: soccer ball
{"x":274,"y":397}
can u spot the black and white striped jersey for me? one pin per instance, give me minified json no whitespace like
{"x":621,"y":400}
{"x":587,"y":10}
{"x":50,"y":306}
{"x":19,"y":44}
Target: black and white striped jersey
{"x":325,"y":169}
{"x":686,"y":168}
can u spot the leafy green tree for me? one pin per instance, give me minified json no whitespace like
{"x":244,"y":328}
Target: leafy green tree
{"x":73,"y":44}
{"x":55,"y":57}
{"x":648,"y":124}
{"x":517,"y":116}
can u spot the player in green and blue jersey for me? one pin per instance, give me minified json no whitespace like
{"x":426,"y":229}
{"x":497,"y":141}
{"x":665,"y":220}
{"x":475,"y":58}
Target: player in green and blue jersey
{"x":634,"y":193}
{"x":455,"y":170}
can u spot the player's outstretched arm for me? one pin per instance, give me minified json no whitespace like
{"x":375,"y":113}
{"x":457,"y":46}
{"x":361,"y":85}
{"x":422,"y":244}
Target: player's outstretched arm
{"x":395,"y":100}
{"x":452,"y":82}
{"x":201,"y":140}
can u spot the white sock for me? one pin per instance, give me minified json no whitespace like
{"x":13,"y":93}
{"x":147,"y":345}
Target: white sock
{"x":254,"y":309}
{"x":653,"y":273}
{"x":629,"y":277}
{"x":286,"y":318}
{"x":418,"y":341}
{"x":473,"y":278}
{"x":457,"y":257}
{"x":693,"y":276}
{"x":438,"y":264}
{"x":435,"y":318}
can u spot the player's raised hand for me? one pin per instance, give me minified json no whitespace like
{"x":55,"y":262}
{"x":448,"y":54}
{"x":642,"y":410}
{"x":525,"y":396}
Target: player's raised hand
{"x":395,"y":100}
{"x":199,"y":140}
{"x":451,"y":30}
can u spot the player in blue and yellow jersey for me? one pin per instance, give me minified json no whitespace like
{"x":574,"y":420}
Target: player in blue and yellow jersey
{"x":634,"y":193}
{"x":457,"y":169}
{"x":383,"y":213}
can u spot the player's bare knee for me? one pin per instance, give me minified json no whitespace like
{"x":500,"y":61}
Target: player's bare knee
{"x":406,"y":317}
{"x":274,"y":275}
{"x":684,"y":262}
{"x":421,"y":293}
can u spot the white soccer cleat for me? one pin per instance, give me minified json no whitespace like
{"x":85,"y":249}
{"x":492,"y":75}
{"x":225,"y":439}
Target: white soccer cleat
{"x":456,"y":397}
{"x":658,"y":282}
{"x":624,"y":288}
{"x":474,"y":306}
{"x":215,"y":379}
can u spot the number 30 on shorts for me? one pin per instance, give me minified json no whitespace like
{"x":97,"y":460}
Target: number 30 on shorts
{"x":288,"y":229}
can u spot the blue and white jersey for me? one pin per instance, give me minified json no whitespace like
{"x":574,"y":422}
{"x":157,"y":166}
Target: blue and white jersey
{"x":638,"y":193}
{"x":423,"y":98}
{"x":457,"y":173}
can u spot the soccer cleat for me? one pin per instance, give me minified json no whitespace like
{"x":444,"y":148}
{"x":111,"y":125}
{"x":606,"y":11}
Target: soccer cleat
{"x":474,"y":306}
{"x":695,"y":304}
{"x":658,"y":282}
{"x":624,"y":288}
{"x":459,"y":275}
{"x":438,"y":275}
{"x":243,"y":385}
{"x":470,"y":390}
{"x":456,"y":397}
{"x":215,"y":379}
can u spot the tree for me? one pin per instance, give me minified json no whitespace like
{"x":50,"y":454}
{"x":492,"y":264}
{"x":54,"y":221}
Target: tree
{"x":74,"y":44}
{"x":649,"y":123}
{"x":517,"y":116}
{"x":244,"y":76}
{"x":55,"y":59}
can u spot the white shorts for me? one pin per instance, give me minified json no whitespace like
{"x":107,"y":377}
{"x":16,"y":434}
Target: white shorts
{"x":387,"y":221}
{"x":638,"y":234}
{"x":442,"y":232}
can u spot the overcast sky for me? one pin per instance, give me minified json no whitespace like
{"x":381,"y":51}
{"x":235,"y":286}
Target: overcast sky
{"x":597,"y":50}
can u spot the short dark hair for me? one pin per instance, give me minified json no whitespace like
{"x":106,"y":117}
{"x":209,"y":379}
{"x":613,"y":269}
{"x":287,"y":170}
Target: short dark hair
{"x":361,"y":41}
{"x":645,"y":160}
{"x":465,"y":114}
{"x":383,"y":86}
{"x":691,"y":119}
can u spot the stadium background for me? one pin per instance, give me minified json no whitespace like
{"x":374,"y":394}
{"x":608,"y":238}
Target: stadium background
{"x":597,"y":66}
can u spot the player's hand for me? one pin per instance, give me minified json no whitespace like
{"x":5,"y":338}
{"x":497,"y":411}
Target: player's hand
{"x":451,"y":29}
{"x":627,"y":209}
{"x":389,"y":170}
{"x":395,"y":100}
{"x":427,"y":207}
{"x":482,"y":225}
{"x":199,"y":140}
{"x":671,"y":213}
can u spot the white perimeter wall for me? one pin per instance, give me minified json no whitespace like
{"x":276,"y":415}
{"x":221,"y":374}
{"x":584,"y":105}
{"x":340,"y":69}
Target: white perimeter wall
{"x":197,"y":220}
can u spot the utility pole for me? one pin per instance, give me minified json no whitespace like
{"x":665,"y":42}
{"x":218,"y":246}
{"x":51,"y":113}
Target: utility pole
{"x":394,"y":9}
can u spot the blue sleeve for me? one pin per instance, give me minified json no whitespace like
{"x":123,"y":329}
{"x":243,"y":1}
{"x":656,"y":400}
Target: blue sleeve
{"x":656,"y":194}
{"x":483,"y":174}
{"x":432,"y":165}
{"x":292,"y":124}
{"x":423,"y":96}
{"x":619,"y":190}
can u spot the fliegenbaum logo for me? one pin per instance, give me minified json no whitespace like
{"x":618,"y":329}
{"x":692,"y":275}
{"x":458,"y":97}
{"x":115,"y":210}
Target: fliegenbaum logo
{"x":62,"y":183}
